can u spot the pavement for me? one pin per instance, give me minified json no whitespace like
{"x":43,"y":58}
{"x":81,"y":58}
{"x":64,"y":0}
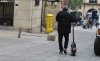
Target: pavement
{"x":36,"y":47}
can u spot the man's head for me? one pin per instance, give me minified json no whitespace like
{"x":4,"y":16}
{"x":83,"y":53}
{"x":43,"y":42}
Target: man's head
{"x":65,"y":8}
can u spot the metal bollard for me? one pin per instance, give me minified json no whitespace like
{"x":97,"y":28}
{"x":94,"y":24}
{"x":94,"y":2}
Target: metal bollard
{"x":19,"y":32}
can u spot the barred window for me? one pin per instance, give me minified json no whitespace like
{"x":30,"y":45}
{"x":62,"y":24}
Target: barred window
{"x":37,"y":2}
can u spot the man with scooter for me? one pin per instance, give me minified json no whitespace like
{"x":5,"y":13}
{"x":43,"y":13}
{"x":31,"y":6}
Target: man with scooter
{"x":64,"y":20}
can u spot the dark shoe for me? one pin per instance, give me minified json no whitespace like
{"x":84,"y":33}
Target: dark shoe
{"x":65,"y":51}
{"x":61,"y":52}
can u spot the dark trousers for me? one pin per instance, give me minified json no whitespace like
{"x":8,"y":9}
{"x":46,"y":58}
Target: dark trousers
{"x":60,"y":39}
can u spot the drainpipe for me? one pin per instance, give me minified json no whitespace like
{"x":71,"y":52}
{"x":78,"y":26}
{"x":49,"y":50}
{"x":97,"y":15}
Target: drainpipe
{"x":41,"y":17}
{"x":45,"y":9}
{"x":43,"y":12}
{"x":32,"y":16}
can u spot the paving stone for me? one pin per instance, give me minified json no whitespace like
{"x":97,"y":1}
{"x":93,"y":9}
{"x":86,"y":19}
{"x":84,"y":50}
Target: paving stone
{"x":80,"y":58}
{"x":51,"y":36}
{"x":34,"y":48}
{"x":34,"y":59}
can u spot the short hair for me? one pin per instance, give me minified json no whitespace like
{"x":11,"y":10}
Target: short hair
{"x":65,"y":7}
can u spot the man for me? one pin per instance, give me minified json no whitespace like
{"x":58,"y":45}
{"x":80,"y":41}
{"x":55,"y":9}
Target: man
{"x":84,"y":23}
{"x":64,"y":20}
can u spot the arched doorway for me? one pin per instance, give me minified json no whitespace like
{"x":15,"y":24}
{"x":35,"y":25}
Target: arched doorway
{"x":89,"y":13}
{"x":90,"y":10}
{"x":6,"y":12}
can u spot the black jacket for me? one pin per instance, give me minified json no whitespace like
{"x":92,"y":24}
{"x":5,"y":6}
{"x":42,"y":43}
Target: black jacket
{"x":64,"y":20}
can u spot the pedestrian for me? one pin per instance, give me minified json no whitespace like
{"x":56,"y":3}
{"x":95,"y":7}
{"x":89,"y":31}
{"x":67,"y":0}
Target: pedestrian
{"x":87,"y":23}
{"x":84,"y":23}
{"x":90,"y":23}
{"x":64,"y":20}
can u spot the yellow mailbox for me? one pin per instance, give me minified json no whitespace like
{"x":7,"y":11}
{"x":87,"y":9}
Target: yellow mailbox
{"x":49,"y":19}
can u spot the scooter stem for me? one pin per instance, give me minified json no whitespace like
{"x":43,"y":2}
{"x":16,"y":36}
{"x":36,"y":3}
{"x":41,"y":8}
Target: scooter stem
{"x":73,"y":31}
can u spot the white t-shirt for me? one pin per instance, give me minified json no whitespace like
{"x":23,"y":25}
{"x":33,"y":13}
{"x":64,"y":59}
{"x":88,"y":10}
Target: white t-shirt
{"x":84,"y":22}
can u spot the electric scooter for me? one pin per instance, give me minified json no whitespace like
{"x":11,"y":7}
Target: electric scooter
{"x":73,"y":45}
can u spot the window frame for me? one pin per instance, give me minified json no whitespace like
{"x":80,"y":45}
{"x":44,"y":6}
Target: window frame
{"x":92,"y":1}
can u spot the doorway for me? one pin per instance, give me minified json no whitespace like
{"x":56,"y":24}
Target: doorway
{"x":6,"y":12}
{"x":90,"y":10}
{"x":89,"y":13}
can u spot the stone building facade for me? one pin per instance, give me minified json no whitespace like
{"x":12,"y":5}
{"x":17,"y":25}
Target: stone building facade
{"x":21,"y":13}
{"x":54,"y":9}
{"x":65,"y":2}
{"x":50,"y":8}
{"x":27,"y":15}
{"x":89,"y":5}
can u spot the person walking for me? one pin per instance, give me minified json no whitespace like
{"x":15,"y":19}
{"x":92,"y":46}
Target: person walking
{"x":64,"y":20}
{"x":90,"y":23}
{"x":87,"y":23}
{"x":84,"y":23}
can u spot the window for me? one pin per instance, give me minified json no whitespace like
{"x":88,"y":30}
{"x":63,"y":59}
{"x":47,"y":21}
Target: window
{"x":37,"y":2}
{"x":92,"y":1}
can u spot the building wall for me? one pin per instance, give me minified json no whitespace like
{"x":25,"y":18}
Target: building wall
{"x":67,"y":2}
{"x":88,"y":6}
{"x":27,"y":16}
{"x":51,"y":10}
{"x":62,"y":3}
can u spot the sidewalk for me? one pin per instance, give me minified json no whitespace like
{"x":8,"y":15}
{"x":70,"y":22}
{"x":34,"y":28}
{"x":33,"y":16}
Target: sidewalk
{"x":35,"y":47}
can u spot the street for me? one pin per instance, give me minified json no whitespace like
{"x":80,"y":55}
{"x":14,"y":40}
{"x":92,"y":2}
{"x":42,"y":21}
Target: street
{"x":35,"y":47}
